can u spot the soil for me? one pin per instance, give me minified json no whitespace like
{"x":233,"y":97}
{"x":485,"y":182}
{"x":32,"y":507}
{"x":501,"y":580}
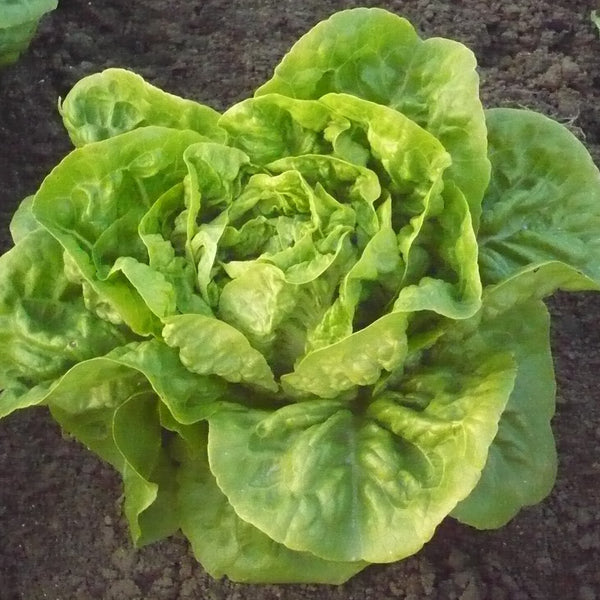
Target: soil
{"x":61,"y":531}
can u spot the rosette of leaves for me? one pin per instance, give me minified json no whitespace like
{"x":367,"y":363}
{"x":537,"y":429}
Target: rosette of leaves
{"x":308,"y":329}
{"x":18,"y":23}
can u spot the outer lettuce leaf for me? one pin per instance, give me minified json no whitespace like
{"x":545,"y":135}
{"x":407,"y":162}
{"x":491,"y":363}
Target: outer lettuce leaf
{"x":188,"y":396}
{"x":110,"y":379}
{"x":543,"y":202}
{"x":115,"y":101}
{"x":535,"y":282}
{"x":18,"y":395}
{"x":521,"y":467}
{"x":227,"y":545}
{"x":375,"y":55}
{"x":367,"y":485}
{"x":103,"y":400}
{"x":85,"y":398}
{"x":44,"y":325}
{"x":20,"y":11}
{"x":150,"y":487}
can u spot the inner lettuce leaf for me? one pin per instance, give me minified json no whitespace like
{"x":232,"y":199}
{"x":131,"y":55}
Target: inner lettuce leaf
{"x":208,"y":346}
{"x":306,"y":330}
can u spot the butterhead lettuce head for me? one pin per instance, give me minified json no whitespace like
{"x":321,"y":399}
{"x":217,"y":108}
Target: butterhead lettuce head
{"x":307,"y":329}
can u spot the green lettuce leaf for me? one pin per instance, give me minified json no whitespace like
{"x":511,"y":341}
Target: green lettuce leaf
{"x":44,"y":325}
{"x":150,"y":504}
{"x":159,"y":232}
{"x":85,"y":398}
{"x":349,"y":483}
{"x":115,"y":101}
{"x":543,"y":202}
{"x":432,"y":221}
{"x":208,"y":346}
{"x":104,"y":424}
{"x":101,"y":401}
{"x":213,"y":180}
{"x":110,"y":379}
{"x":521,"y":466}
{"x":227,"y":545}
{"x":356,"y":360}
{"x":23,"y":221}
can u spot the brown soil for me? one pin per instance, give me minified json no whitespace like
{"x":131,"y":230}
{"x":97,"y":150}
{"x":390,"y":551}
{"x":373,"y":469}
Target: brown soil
{"x":61,"y":532}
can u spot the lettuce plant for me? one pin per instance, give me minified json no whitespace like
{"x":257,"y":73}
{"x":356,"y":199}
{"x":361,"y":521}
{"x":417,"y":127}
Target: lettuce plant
{"x":308,"y":329}
{"x":18,"y":23}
